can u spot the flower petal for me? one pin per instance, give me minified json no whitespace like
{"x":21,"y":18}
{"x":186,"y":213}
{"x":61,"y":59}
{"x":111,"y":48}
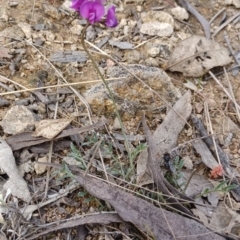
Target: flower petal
{"x":111,"y":20}
{"x":76,"y":4}
{"x":93,"y":11}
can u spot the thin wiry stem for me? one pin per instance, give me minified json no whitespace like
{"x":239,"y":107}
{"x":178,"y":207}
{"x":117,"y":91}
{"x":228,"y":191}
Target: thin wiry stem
{"x":111,"y":97}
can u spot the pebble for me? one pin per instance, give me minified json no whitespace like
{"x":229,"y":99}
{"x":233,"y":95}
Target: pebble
{"x":153,"y":52}
{"x":236,"y":3}
{"x":76,"y":29}
{"x":4,"y":103}
{"x":51,"y":11}
{"x":18,"y":119}
{"x":3,"y":14}
{"x":13,"y":3}
{"x":180,"y":13}
{"x":157,"y":16}
{"x":121,"y":45}
{"x":157,"y":29}
{"x":133,"y":56}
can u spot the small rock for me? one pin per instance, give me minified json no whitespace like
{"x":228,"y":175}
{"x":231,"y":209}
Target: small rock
{"x":121,"y":45}
{"x":152,"y":62}
{"x":180,"y":13}
{"x":188,"y":162}
{"x":3,"y":14}
{"x":26,"y":28}
{"x":157,"y":29}
{"x":13,"y":3}
{"x":40,"y":168}
{"x":14,"y":32}
{"x":157,"y":16}
{"x":69,"y":56}
{"x":153,"y":52}
{"x":133,"y":56}
{"x":39,"y":27}
{"x":50,"y":36}
{"x":76,"y":29}
{"x":4,"y":103}
{"x":67,"y":6}
{"x":51,"y":11}
{"x":18,"y":119}
{"x":236,"y":3}
{"x":116,"y":124}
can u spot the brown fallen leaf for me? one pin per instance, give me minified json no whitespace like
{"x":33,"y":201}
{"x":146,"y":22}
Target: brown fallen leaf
{"x":196,"y":55}
{"x":156,"y":222}
{"x":26,"y":139}
{"x":50,"y":128}
{"x":165,"y":136}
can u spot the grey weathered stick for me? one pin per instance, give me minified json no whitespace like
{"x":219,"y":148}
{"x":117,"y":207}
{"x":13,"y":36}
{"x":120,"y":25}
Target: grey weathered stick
{"x":205,"y":24}
{"x":222,"y":155}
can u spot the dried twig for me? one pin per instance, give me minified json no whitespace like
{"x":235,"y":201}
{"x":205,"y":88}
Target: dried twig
{"x":198,"y":16}
{"x":225,"y":24}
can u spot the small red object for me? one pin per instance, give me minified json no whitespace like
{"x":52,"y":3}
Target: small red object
{"x":216,"y":172}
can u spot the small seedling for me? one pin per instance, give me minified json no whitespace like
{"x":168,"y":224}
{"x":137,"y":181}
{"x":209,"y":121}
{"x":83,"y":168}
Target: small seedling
{"x":174,"y":166}
{"x":221,"y":187}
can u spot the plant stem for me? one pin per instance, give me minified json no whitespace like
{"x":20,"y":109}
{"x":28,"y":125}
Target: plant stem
{"x":112,"y":99}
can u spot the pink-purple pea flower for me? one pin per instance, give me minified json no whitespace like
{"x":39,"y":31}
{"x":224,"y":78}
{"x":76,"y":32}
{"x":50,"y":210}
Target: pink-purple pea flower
{"x":111,"y":20}
{"x":94,"y":11}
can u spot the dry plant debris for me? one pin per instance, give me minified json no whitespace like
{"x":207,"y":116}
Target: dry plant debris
{"x":196,"y":55}
{"x":162,"y":172}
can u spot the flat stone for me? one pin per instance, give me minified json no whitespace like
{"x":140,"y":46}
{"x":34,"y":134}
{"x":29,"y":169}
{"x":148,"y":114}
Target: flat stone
{"x":157,"y":29}
{"x":157,"y":16}
{"x":69,"y":56}
{"x":180,"y":13}
{"x":3,"y":14}
{"x":131,"y":94}
{"x":4,"y":103}
{"x":121,"y":45}
{"x":76,"y":29}
{"x":14,"y":32}
{"x":236,"y":3}
{"x":51,"y":11}
{"x":18,"y":119}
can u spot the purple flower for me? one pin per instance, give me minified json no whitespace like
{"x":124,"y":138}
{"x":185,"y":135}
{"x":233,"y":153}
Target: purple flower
{"x":111,"y":20}
{"x":93,"y":11}
{"x":76,"y":4}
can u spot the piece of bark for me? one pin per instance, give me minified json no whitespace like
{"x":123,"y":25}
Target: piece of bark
{"x":101,"y":218}
{"x":156,"y":222}
{"x":26,"y":139}
{"x":222,"y":155}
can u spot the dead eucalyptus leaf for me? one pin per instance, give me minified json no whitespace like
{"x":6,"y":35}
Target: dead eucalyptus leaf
{"x":50,"y":128}
{"x":196,"y":55}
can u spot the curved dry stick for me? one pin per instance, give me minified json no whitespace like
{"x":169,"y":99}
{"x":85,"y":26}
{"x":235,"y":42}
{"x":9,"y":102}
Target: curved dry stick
{"x":206,"y":26}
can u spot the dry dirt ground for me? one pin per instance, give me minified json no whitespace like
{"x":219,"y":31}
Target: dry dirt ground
{"x":40,"y":46}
